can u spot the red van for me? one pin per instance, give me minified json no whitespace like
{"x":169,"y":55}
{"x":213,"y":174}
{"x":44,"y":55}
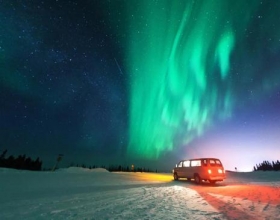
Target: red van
{"x":200,"y":169}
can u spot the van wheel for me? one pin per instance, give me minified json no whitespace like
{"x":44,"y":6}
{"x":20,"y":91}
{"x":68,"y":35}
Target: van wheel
{"x":175,"y":176}
{"x":197,"y":179}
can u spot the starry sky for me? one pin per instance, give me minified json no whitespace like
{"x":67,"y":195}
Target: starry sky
{"x":144,"y":82}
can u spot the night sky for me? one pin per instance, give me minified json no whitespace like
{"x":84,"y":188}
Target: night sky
{"x":145,"y":82}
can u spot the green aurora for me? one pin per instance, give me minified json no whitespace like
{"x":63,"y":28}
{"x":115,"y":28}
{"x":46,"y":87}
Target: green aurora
{"x":179,"y":57}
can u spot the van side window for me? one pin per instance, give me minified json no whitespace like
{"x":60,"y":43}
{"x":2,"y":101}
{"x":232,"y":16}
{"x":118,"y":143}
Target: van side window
{"x":196,"y":163}
{"x":204,"y":162}
{"x":186,"y":163}
{"x":180,"y":164}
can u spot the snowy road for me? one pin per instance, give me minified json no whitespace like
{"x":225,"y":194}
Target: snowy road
{"x":87,"y":194}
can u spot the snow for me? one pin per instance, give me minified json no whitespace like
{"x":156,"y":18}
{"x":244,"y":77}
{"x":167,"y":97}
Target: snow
{"x":77,"y":193}
{"x":80,"y":169}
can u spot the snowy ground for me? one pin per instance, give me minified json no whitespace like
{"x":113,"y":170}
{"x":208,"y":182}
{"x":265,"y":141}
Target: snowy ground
{"x":76,"y":193}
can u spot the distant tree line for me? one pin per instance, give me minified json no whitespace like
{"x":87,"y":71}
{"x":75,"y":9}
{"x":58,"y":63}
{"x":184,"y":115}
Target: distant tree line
{"x":129,"y":169}
{"x":267,"y":166}
{"x":21,"y":162}
{"x":116,"y":168}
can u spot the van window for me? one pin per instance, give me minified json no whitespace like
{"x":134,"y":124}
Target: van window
{"x":180,"y":164}
{"x":204,"y":162}
{"x":186,"y":163}
{"x":196,"y":163}
{"x":215,"y":163}
{"x":218,"y":162}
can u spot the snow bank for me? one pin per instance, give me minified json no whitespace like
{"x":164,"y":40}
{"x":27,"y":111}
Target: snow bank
{"x":262,"y":177}
{"x":81,"y":169}
{"x":11,"y":170}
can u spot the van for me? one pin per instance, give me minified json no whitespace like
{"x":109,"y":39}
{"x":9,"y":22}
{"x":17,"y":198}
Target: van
{"x":200,"y":169}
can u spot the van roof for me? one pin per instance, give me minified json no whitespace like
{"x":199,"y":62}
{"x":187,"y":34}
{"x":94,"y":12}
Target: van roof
{"x":203,"y":158}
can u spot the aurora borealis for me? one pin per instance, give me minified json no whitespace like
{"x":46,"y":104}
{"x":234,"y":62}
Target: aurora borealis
{"x":169,"y":80}
{"x":183,"y":81}
{"x":129,"y":80}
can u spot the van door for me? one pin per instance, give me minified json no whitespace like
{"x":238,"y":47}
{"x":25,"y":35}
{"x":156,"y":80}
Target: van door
{"x":216,"y":167}
{"x":195,"y":167}
{"x":186,"y":169}
{"x":179,"y":169}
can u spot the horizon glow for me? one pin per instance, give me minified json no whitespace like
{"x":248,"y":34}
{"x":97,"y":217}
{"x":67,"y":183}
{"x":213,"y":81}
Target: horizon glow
{"x":241,"y":147}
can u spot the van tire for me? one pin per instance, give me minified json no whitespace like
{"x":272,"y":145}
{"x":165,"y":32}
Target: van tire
{"x":197,"y":179}
{"x":175,"y":176}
